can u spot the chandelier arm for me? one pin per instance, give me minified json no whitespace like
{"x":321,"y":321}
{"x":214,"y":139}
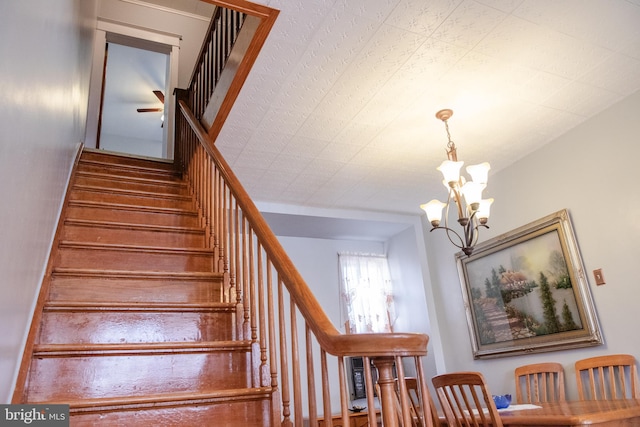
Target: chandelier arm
{"x":470,"y":231}
{"x":458,"y":201}
{"x":448,"y":231}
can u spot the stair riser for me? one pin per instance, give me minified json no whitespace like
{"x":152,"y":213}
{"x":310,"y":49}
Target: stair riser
{"x":254,"y":413}
{"x":99,"y":290}
{"x":133,"y":260}
{"x":161,"y":187}
{"x":97,"y":327}
{"x":149,"y":217}
{"x":73,"y":378}
{"x":117,"y":160}
{"x":128,"y":236}
{"x":134,"y":199}
{"x":129,"y":172}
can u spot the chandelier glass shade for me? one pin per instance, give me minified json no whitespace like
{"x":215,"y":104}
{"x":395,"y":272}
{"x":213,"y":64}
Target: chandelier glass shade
{"x":472,"y":210}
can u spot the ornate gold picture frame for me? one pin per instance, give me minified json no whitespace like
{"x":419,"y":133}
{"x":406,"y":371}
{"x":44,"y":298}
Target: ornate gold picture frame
{"x":526,"y":291}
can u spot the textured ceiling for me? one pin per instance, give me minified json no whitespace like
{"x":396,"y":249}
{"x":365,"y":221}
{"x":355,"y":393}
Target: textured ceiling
{"x":338,"y":111}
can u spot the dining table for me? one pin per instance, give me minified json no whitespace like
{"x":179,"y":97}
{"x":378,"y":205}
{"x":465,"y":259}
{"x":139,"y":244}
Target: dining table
{"x":600,"y":413}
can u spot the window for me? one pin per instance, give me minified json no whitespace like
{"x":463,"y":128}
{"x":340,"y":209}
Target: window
{"x":367,"y":293}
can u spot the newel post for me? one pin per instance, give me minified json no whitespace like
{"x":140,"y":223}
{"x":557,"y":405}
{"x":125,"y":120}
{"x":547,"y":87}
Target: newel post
{"x":387,"y":385}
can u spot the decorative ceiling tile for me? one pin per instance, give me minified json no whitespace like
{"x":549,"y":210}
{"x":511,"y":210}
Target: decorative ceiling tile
{"x":339,"y":109}
{"x":468,"y":24}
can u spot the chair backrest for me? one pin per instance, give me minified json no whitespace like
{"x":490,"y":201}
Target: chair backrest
{"x":465,"y":399}
{"x":540,"y":382}
{"x":414,"y":404}
{"x":613,"y":376}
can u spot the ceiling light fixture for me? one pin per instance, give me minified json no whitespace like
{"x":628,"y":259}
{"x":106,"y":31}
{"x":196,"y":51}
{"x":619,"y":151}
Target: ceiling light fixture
{"x":475,"y":211}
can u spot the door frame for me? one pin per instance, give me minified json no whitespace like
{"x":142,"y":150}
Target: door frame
{"x":115,"y":32}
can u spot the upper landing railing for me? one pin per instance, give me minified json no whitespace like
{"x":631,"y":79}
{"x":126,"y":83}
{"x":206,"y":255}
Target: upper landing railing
{"x":275,"y":309}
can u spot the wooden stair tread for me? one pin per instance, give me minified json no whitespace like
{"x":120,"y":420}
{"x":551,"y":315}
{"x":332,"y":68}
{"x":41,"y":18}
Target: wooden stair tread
{"x":138,"y":306}
{"x":137,"y":193}
{"x":125,"y":206}
{"x":105,"y":404}
{"x":124,"y":225}
{"x":109,"y":349}
{"x":143,"y":274}
{"x":135,"y":164}
{"x":134,"y":248}
{"x":142,"y":180}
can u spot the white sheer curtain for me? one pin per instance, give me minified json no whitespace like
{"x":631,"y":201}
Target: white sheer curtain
{"x":367,"y":293}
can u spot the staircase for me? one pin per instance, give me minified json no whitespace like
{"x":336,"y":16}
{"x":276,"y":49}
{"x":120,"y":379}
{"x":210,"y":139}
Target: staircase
{"x":134,"y":328}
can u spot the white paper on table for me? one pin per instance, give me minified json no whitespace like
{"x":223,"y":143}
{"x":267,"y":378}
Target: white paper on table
{"x":518,"y":407}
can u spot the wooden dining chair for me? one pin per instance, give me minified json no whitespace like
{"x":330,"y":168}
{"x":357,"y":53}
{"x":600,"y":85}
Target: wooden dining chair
{"x":608,"y":377}
{"x":414,"y":405}
{"x":540,"y":382}
{"x":465,"y":400}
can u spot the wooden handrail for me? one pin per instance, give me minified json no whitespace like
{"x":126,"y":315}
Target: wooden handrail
{"x":330,"y":339}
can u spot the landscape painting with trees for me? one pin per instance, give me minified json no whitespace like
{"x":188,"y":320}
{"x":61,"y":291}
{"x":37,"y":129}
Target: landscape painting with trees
{"x":523,"y":295}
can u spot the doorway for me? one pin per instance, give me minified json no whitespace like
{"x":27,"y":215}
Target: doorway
{"x":132,"y":82}
{"x":133,"y":101}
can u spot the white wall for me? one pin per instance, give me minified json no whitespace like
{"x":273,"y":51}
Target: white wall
{"x":317,"y":261}
{"x":409,"y":294}
{"x":45,"y":46}
{"x":592,"y":171}
{"x":191,"y":29}
{"x":130,"y":145}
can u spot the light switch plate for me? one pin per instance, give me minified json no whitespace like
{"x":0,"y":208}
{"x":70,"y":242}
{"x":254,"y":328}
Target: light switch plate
{"x":597,"y":274}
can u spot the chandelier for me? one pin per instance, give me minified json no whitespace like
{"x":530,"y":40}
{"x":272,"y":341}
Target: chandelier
{"x":472,"y":209}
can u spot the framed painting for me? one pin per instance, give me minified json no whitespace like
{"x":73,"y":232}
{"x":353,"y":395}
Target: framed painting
{"x":526,"y":291}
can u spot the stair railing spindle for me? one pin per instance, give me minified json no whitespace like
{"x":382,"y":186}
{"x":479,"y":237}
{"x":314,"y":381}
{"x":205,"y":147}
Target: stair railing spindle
{"x":272,"y":347}
{"x":247,"y":295}
{"x":326,"y":392}
{"x":284,"y":360}
{"x":295,"y":369}
{"x":262,"y":322}
{"x":311,"y":377}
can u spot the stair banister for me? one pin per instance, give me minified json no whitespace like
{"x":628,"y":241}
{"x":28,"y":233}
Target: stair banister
{"x":382,"y":349}
{"x":331,"y":340}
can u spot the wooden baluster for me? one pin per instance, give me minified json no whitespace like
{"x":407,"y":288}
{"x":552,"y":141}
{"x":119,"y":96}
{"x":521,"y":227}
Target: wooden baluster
{"x":225,"y":239}
{"x":295,"y":368}
{"x":215,"y":220}
{"x":369,"y":387}
{"x":262,"y":322}
{"x":246,"y":326}
{"x":271,"y":325}
{"x":233,"y":233}
{"x":238,"y":274}
{"x":222,"y":209}
{"x":218,"y":222}
{"x":284,"y":364}
{"x":326,"y":392}
{"x":213,"y":215}
{"x":404,"y":401}
{"x":199,"y":170}
{"x":344,"y":393}
{"x":207,"y":201}
{"x":311,"y":379}
{"x":387,"y":392}
{"x":255,"y":347}
{"x":219,"y":59}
